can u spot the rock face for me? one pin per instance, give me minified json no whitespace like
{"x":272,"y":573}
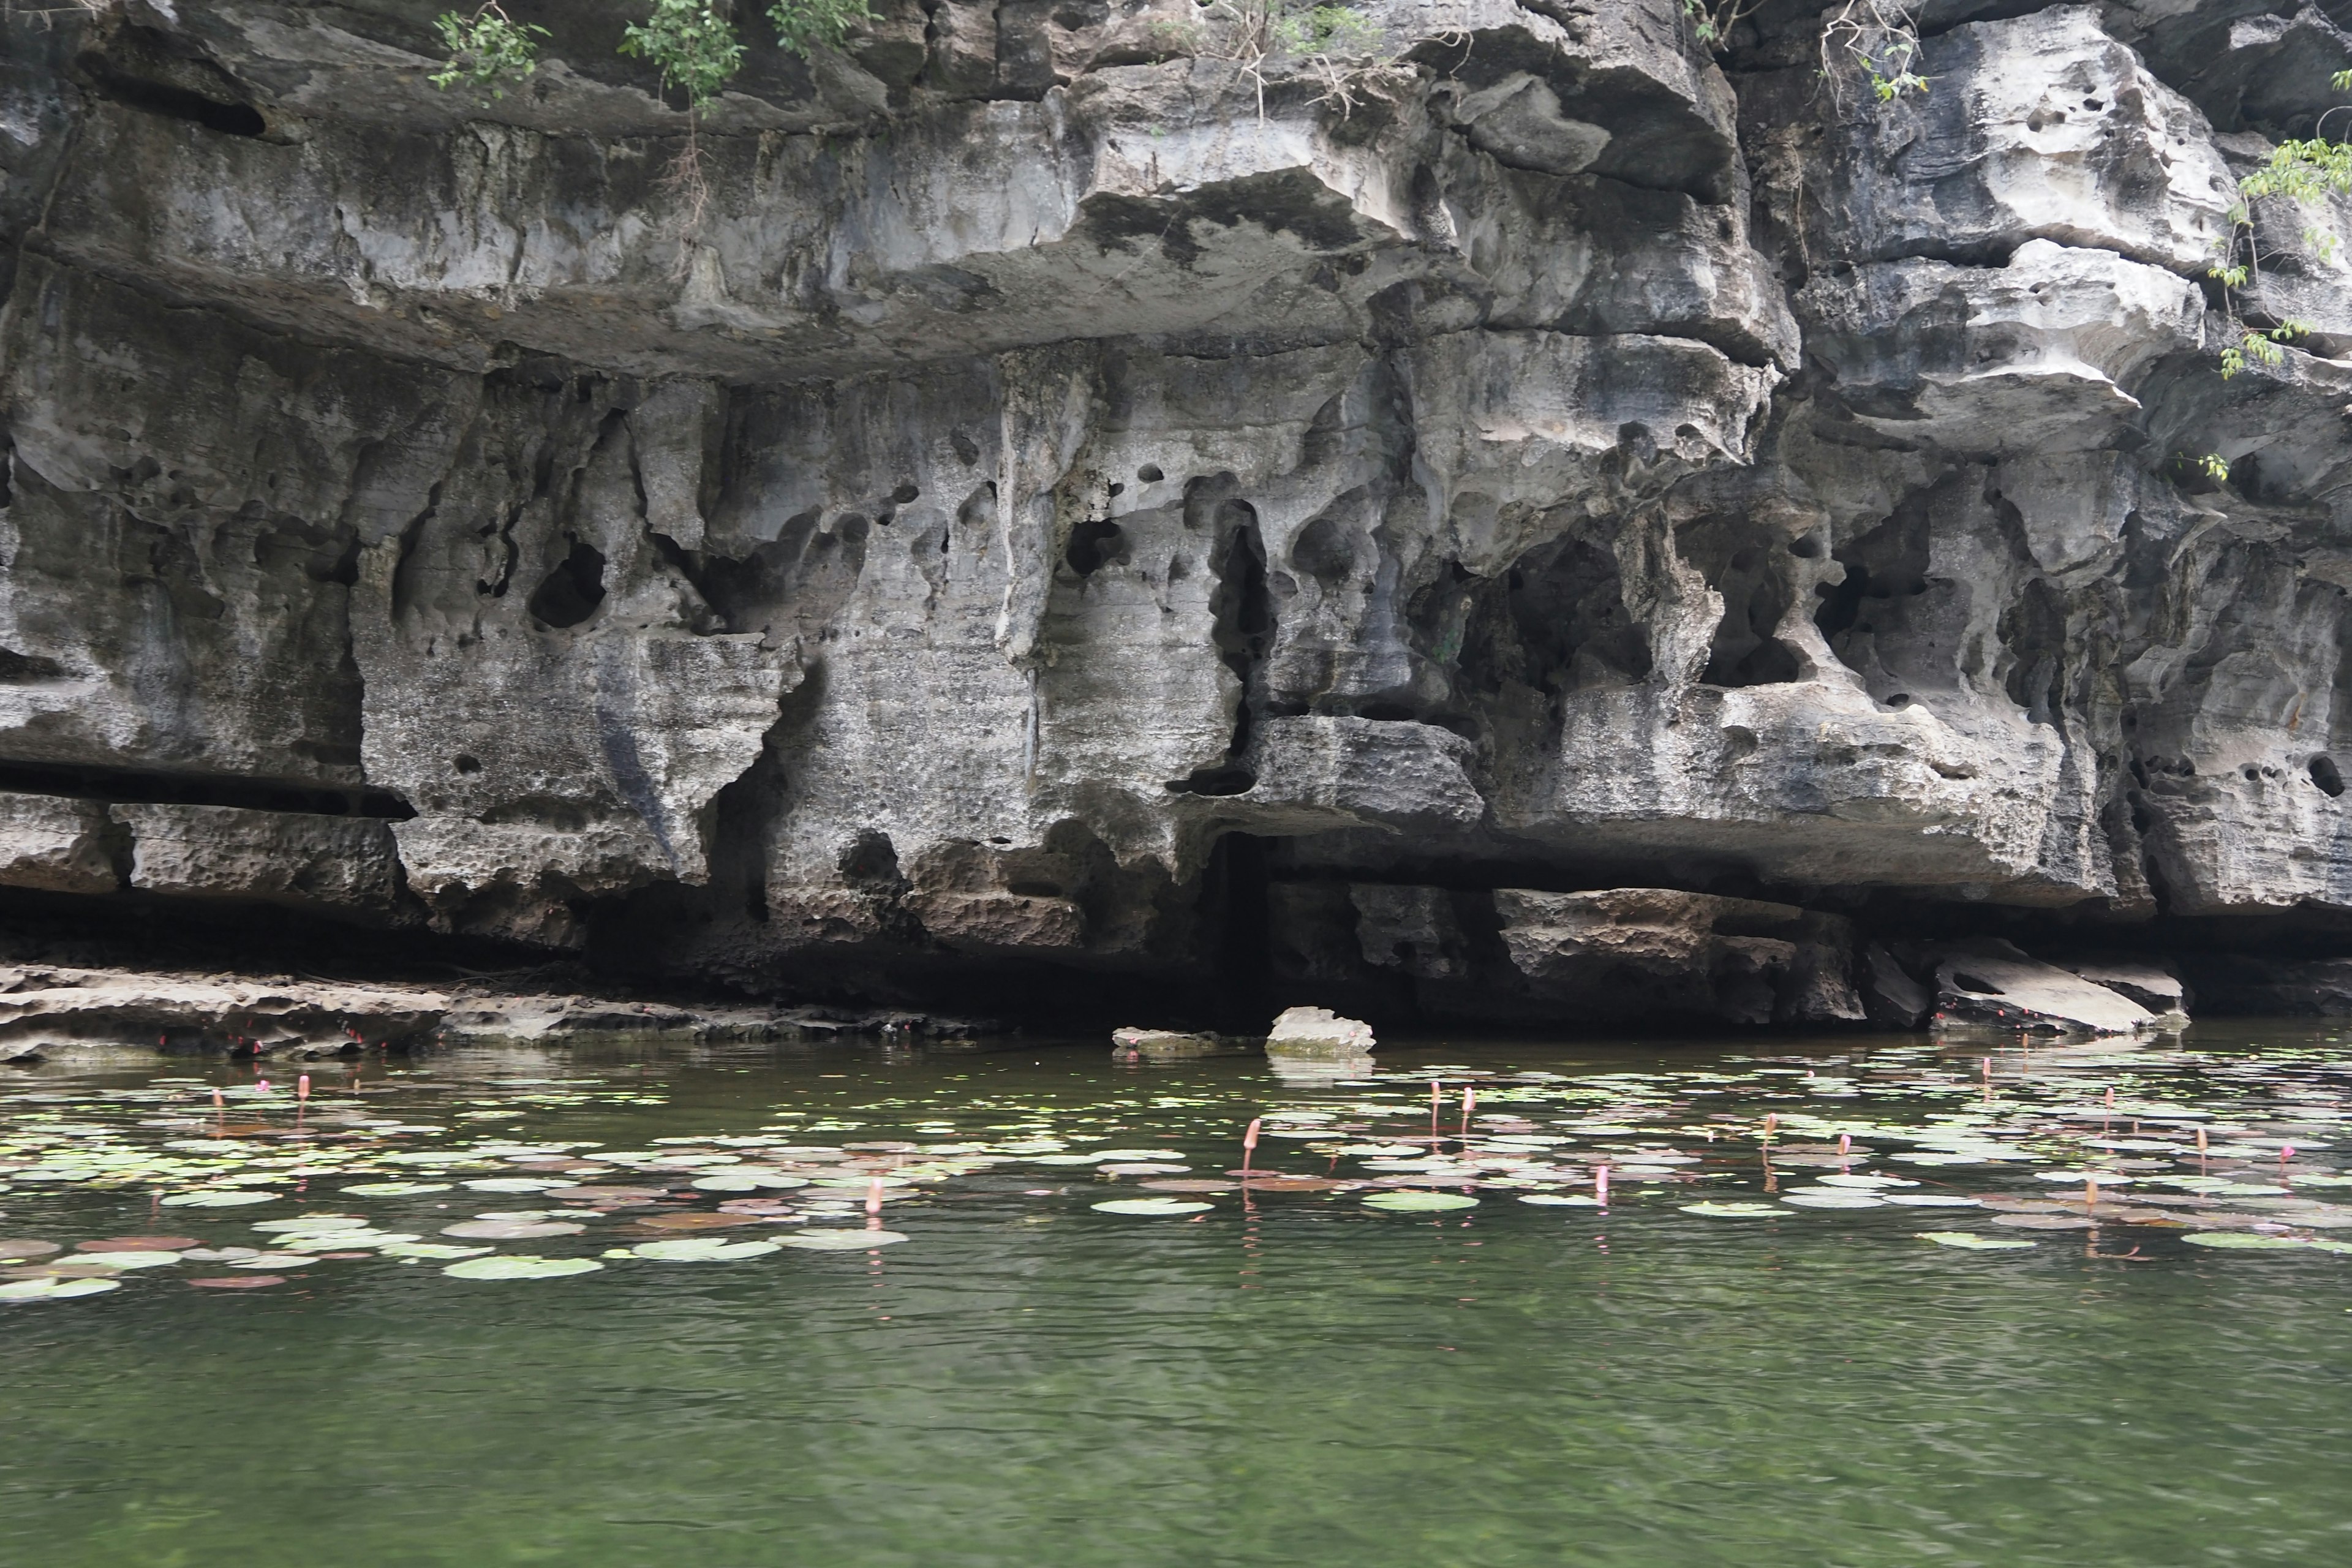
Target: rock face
{"x":1540,"y":524}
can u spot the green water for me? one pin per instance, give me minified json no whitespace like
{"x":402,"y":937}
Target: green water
{"x":1283,"y":1378}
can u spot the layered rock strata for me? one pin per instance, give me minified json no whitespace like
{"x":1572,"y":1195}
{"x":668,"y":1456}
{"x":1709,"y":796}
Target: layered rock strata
{"x":1542,"y":524}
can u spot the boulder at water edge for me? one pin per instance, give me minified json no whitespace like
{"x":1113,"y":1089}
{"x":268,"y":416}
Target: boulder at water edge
{"x":1318,"y":1033}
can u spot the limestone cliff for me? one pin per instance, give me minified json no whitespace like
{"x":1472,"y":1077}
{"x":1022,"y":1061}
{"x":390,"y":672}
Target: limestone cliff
{"x":1550,"y":521}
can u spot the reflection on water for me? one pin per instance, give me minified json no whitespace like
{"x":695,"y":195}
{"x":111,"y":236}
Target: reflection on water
{"x":1830,"y":1303}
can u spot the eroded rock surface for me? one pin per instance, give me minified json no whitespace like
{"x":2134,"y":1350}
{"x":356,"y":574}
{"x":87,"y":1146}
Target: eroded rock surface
{"x":1569,"y":528}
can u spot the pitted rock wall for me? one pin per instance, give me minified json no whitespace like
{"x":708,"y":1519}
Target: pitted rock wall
{"x":1061,"y":504}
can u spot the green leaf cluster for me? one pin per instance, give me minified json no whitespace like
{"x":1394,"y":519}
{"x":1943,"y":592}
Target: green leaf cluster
{"x":695,"y":48}
{"x":692,"y":42}
{"x":1323,"y":30}
{"x":487,"y":49}
{"x":804,"y":26}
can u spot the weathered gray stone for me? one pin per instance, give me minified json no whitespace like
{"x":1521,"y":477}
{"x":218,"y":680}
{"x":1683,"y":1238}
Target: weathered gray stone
{"x":1653,"y":954}
{"x":1164,"y":1046}
{"x":43,"y":1008}
{"x":55,"y":845}
{"x":1320,"y":1034}
{"x":347,"y":864}
{"x":2151,"y":985}
{"x":1987,"y":981}
{"x":1066,"y":505}
{"x":1891,"y":996}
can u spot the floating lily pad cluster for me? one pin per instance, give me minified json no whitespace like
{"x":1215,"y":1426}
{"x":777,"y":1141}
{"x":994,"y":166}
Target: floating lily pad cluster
{"x":488,"y":1180}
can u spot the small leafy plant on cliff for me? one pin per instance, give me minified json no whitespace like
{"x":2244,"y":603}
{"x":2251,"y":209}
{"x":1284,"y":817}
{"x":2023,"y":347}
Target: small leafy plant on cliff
{"x":692,"y":42}
{"x":1712,"y":20}
{"x":487,"y":49}
{"x":1876,"y":43}
{"x":2303,"y":171}
{"x":1340,"y":45}
{"x":804,"y":26}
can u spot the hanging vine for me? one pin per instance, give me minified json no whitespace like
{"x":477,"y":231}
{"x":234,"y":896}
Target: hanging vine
{"x":2305,"y":172}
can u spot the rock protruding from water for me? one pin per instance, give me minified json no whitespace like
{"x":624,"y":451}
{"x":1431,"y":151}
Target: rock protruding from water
{"x":1318,"y":1033}
{"x":1989,"y":981}
{"x":2153,"y":985}
{"x":1130,"y":1045}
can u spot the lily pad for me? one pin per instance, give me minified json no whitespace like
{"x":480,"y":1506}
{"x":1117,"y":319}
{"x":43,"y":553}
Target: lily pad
{"x":1931,"y":1201}
{"x":2246,"y":1241}
{"x":694,"y":1221}
{"x":216,"y":1200}
{"x":1151,"y":1206}
{"x":142,"y":1259}
{"x":1556,"y":1200}
{"x":135,"y":1244}
{"x":25,"y":1248}
{"x":396,"y":1189}
{"x":238,"y":1281}
{"x":515,"y":1184}
{"x":747,"y":1182}
{"x":509,"y":1229}
{"x":1418,"y":1202}
{"x":429,"y":1249}
{"x":520,"y":1266}
{"x":55,"y":1290}
{"x":2044,"y":1221}
{"x":1971,"y":1242}
{"x":1805,"y":1198}
{"x":1731,"y":1211}
{"x":702,"y":1249}
{"x":840,"y":1240}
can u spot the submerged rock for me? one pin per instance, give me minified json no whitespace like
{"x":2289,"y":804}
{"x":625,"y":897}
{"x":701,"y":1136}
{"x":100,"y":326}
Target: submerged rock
{"x":1164,"y":1046}
{"x":2153,"y":985}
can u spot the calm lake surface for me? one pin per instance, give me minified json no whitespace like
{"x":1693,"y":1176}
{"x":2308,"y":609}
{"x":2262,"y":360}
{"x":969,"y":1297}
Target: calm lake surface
{"x":1293,"y":1374}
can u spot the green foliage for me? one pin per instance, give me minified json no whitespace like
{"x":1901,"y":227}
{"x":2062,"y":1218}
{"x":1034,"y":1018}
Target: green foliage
{"x":2256,"y":346}
{"x":1898,"y":78}
{"x":1322,"y":30}
{"x":2303,"y":171}
{"x":802,"y":27}
{"x":2213,"y":466}
{"x":2306,"y":171}
{"x":1877,"y":40}
{"x":487,"y":49}
{"x":694,"y":46}
{"x":1710,"y":20}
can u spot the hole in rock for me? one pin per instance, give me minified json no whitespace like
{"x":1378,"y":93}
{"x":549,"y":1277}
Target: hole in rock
{"x":872,"y":861}
{"x":570,"y":595}
{"x":2326,"y":774}
{"x":467,"y":764}
{"x":1094,"y":544}
{"x":160,"y":788}
{"x":1034,"y":890}
{"x":20,"y":668}
{"x":1149,"y":474}
{"x":174,"y":103}
{"x":1980,"y":986}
